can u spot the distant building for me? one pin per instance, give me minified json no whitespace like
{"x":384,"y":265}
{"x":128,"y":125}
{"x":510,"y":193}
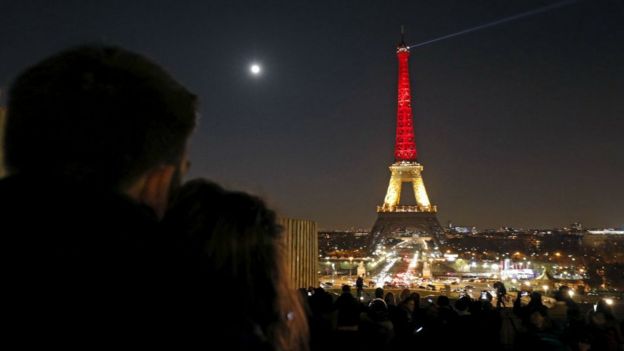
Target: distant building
{"x":608,"y":231}
{"x":302,"y":251}
{"x":461,"y":230}
{"x":343,"y":242}
{"x":605,"y":243}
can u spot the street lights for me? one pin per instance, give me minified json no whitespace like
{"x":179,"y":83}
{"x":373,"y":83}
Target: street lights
{"x":350,"y":266}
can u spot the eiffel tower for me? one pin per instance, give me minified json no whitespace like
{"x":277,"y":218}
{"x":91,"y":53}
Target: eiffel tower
{"x":393,"y":219}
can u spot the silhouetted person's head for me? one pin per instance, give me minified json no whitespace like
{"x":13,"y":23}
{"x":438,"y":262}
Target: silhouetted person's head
{"x":463,"y":303}
{"x":416,"y":297}
{"x":378,"y":310}
{"x":563,"y":294}
{"x":235,"y":241}
{"x":536,"y":298}
{"x":603,"y":306}
{"x":379,"y":293}
{"x":389,"y":298}
{"x":346,"y":288}
{"x":103,"y":117}
{"x":443,"y":301}
{"x":404,"y":294}
{"x":409,"y":304}
{"x":486,"y":296}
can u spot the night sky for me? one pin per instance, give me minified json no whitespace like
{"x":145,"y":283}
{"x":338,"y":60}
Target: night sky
{"x":521,"y":124}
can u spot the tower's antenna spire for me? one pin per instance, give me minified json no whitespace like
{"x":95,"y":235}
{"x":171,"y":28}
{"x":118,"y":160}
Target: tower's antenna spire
{"x":402,"y":35}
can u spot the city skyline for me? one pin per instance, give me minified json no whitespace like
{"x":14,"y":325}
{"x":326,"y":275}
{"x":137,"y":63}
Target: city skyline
{"x":519,"y":124}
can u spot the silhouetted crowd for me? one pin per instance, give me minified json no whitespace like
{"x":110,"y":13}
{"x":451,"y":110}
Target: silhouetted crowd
{"x":408,"y":322}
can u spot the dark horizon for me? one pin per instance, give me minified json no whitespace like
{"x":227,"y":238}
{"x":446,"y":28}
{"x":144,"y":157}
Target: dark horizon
{"x":516,"y":125}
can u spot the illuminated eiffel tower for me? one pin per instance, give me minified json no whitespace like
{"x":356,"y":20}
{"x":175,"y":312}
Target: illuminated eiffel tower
{"x":393,"y":219}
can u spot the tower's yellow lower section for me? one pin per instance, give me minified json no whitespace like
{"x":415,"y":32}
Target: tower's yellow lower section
{"x":406,"y":172}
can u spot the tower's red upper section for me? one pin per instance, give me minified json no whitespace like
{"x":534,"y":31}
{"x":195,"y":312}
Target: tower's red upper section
{"x":405,"y":147}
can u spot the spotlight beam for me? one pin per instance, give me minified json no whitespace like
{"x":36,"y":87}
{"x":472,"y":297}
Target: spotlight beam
{"x":504,"y":20}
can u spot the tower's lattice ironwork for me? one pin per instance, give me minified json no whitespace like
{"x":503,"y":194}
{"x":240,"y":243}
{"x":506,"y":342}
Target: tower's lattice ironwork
{"x":405,"y":147}
{"x":394,"y":218}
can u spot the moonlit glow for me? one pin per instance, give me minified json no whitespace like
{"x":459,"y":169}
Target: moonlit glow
{"x":255,"y":69}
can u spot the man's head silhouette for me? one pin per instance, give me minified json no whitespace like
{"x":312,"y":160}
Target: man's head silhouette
{"x":102,"y":117}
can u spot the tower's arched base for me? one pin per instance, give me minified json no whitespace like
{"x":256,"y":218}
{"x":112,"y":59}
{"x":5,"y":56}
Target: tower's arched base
{"x":394,"y":225}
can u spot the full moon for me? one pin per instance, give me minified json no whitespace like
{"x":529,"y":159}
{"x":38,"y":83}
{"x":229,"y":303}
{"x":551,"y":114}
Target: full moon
{"x":255,"y":69}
